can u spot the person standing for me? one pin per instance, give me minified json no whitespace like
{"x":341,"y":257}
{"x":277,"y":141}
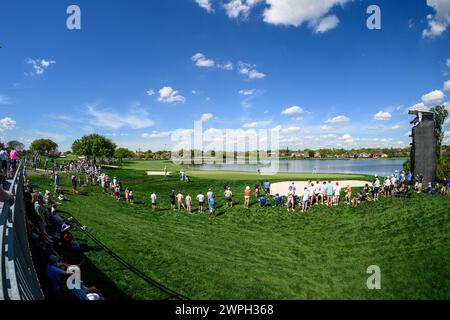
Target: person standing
{"x":348,"y":194}
{"x":337,"y":194}
{"x":180,"y":198}
{"x":74,"y":184}
{"x":228,"y":197}
{"x":188,"y":203}
{"x":4,"y":161}
{"x":201,"y":200}
{"x":247,"y":194}
{"x":153,"y":199}
{"x":212,"y":208}
{"x":165,"y":172}
{"x":13,"y":156}
{"x":172,"y":200}
{"x":376,"y":188}
{"x":329,"y":194}
{"x":209,"y":194}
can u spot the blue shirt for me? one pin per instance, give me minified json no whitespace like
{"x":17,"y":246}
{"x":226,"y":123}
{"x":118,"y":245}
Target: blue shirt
{"x":448,"y":183}
{"x":211,"y":203}
{"x":54,"y":276}
{"x":56,"y":179}
{"x":330,"y":189}
{"x":3,"y":155}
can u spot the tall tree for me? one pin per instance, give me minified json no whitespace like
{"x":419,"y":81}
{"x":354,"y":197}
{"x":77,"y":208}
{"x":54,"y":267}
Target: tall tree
{"x":94,"y":146}
{"x":44,"y":146}
{"x":441,"y":114}
{"x":122,"y":153}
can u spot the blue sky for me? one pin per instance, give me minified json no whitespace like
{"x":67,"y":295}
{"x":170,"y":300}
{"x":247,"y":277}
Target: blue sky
{"x":136,"y":72}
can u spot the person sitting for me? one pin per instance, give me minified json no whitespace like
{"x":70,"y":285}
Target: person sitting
{"x":68,"y":239}
{"x":278,"y":200}
{"x":263,"y":201}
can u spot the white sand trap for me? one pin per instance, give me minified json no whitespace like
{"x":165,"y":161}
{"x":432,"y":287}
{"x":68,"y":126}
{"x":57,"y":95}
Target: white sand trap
{"x":282,"y":188}
{"x":157,"y":173}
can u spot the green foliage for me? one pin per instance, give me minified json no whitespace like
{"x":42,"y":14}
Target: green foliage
{"x":94,"y":146}
{"x":440,"y":114}
{"x":122,"y":153}
{"x":44,"y":146}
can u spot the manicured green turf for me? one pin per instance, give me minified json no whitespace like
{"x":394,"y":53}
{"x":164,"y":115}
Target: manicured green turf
{"x":265,"y":253}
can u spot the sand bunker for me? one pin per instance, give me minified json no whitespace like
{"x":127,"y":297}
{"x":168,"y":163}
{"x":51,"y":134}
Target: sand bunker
{"x":282,"y":188}
{"x":157,"y":173}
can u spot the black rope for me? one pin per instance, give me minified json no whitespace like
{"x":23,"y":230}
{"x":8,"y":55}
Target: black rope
{"x":137,"y":272}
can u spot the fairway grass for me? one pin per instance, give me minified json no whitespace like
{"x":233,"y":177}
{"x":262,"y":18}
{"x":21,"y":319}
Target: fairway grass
{"x":263,"y":253}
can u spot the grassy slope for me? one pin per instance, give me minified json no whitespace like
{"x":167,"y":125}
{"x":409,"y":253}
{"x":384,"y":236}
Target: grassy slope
{"x":266,"y":253}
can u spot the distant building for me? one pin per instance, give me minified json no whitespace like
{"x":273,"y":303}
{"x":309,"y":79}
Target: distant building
{"x":380,"y":155}
{"x":317,"y":155}
{"x":364,"y":155}
{"x":423,"y":146}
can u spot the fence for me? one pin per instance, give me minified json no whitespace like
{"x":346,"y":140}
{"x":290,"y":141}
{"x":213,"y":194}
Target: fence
{"x":18,"y":278}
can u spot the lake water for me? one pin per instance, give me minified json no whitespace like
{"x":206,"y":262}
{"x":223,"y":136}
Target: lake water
{"x":382,"y":167}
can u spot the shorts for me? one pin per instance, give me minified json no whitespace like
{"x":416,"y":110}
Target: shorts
{"x":229,"y":199}
{"x":247,"y":197}
{"x":153,"y":203}
{"x":201,"y":203}
{"x":14,"y":165}
{"x":4,"y":164}
{"x":376,"y":190}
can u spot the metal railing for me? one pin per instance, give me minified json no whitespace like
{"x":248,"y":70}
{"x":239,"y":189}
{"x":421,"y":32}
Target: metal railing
{"x":18,"y":278}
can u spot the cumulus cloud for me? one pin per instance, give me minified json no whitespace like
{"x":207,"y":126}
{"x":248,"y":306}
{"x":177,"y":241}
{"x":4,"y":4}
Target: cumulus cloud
{"x":246,"y":92}
{"x":202,"y":62}
{"x":240,"y":9}
{"x":249,"y":71}
{"x":440,"y":20}
{"x":5,"y":100}
{"x":338,"y":119}
{"x":206,"y":117}
{"x":446,"y":86}
{"x":293,"y":110}
{"x":156,"y":135}
{"x":135,"y":118}
{"x":434,"y":97}
{"x":327,"y":23}
{"x":382,"y":116}
{"x":150,"y":92}
{"x":40,"y":65}
{"x":448,"y":62}
{"x":297,"y":12}
{"x":226,"y":66}
{"x":169,"y":95}
{"x":205,"y":4}
{"x":7,"y":123}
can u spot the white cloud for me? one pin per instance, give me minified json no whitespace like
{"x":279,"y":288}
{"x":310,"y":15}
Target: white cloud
{"x":291,"y":129}
{"x":246,"y":92}
{"x":7,"y":123}
{"x":328,"y":128}
{"x":249,"y":71}
{"x":150,"y":92}
{"x":296,"y":12}
{"x":327,"y":23}
{"x":40,"y":65}
{"x":5,"y":100}
{"x":347,"y":138}
{"x":439,"y":22}
{"x":202,"y":62}
{"x":396,"y":127}
{"x":446,"y":86}
{"x":227,"y":66}
{"x":256,"y":124}
{"x":382,"y":116}
{"x":338,"y":119}
{"x":299,"y":119}
{"x":169,"y":95}
{"x":434,"y":97}
{"x":448,"y":62}
{"x":205,"y":4}
{"x":419,"y":107}
{"x":293,"y":110}
{"x":157,"y":135}
{"x":240,"y":9}
{"x":135,"y":118}
{"x":206,"y":117}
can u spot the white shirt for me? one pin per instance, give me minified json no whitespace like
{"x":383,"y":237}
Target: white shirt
{"x":311,"y":191}
{"x":200,"y":198}
{"x":305,"y":195}
{"x":377,"y":183}
{"x":153,"y":197}
{"x":188,"y":200}
{"x":337,"y":190}
{"x":209,"y":195}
